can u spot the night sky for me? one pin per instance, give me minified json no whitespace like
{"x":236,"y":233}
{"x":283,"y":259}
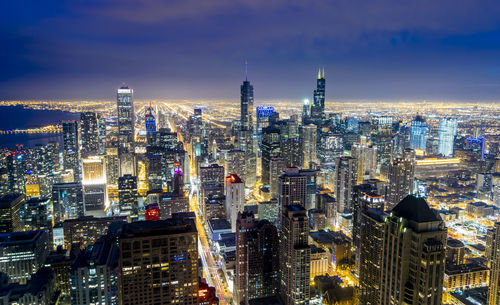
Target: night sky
{"x":373,"y":50}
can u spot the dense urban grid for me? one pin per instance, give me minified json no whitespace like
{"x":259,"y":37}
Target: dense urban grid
{"x":178,"y":202}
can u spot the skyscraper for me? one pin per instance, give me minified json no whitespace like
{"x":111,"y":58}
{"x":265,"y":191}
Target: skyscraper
{"x":409,"y":245}
{"x":158,"y":262}
{"x":246,"y":104}
{"x":89,"y":139}
{"x":418,"y":133}
{"x":67,"y":201}
{"x":270,"y":149}
{"x":70,"y":148}
{"x":235,"y":199}
{"x":150,"y":126}
{"x":295,"y":259}
{"x":292,"y":188}
{"x":126,"y":120}
{"x":318,"y":105}
{"x":494,"y":263}
{"x":247,"y":131}
{"x":447,"y":133}
{"x":257,"y":259}
{"x":309,"y":139}
{"x":11,"y":206}
{"x":346,"y":176}
{"x":127,"y":194}
{"x":401,"y":175}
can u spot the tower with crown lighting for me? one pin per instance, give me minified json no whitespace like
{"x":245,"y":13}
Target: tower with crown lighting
{"x":318,"y":103}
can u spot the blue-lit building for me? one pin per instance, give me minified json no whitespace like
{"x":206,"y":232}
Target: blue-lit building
{"x":447,"y":133}
{"x":150,"y":125}
{"x":418,"y":133}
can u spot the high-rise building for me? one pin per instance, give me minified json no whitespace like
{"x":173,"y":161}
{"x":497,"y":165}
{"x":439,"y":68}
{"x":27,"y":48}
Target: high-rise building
{"x":157,"y":252}
{"x":494,"y":263}
{"x":276,"y":168}
{"x":127,"y":194}
{"x":94,"y":182}
{"x":306,"y":111}
{"x":126,"y":120}
{"x":263,"y":115}
{"x":235,"y":198}
{"x":309,"y":139}
{"x":89,"y":140}
{"x":11,"y":207}
{"x":212,"y":174}
{"x":67,"y":201}
{"x":150,"y":126}
{"x":418,"y":133}
{"x":94,"y":274}
{"x":70,"y":148}
{"x":295,"y":259}
{"x":401,"y":175}
{"x":22,"y":254}
{"x":270,"y":149}
{"x":257,"y":259}
{"x":246,"y":90}
{"x":346,"y":177}
{"x":16,"y":169}
{"x":292,"y":188}
{"x":101,"y":134}
{"x":403,"y":255}
{"x":318,"y":105}
{"x":235,"y":163}
{"x":447,"y":134}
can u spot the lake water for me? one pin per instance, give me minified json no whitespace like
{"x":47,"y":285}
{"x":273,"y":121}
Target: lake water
{"x":17,"y":117}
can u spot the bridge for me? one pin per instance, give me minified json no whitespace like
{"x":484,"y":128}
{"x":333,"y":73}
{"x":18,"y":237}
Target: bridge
{"x":49,"y":129}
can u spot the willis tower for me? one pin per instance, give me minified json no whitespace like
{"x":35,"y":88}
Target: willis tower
{"x":247,"y":127}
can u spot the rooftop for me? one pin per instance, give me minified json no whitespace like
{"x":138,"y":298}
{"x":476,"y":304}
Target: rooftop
{"x":158,"y":228}
{"x":416,"y":209}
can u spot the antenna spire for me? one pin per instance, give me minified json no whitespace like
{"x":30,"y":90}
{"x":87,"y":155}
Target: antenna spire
{"x":323,"y":72}
{"x":246,"y":70}
{"x":319,"y":73}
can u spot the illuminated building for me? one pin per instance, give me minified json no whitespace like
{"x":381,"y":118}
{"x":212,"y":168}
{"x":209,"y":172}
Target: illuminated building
{"x":150,"y":122}
{"x":306,"y":111}
{"x":36,"y":214}
{"x":409,"y":245}
{"x":290,"y":145}
{"x":465,"y":276}
{"x":494,"y":263}
{"x":447,"y":133}
{"x":276,"y":168}
{"x":152,"y":212}
{"x":257,"y":259}
{"x":112,"y":165}
{"x":418,"y":133}
{"x":270,"y":149}
{"x":215,"y":207}
{"x":86,"y":230}
{"x":295,"y":256}
{"x":22,"y":254}
{"x":331,"y":147}
{"x":263,"y":115}
{"x":126,"y":120}
{"x":247,"y":131}
{"x":207,"y":295}
{"x":154,"y":169}
{"x":101,"y":134}
{"x":235,"y":199}
{"x":246,"y":104}
{"x":70,"y":148}
{"x":60,"y":261}
{"x":308,"y":139}
{"x":455,"y":252}
{"x":326,"y":203}
{"x":346,"y":177}
{"x":366,"y":157}
{"x":292,"y":188}
{"x":93,"y":275}
{"x":94,"y":182}
{"x":127,"y":194}
{"x":89,"y":134}
{"x":16,"y":169}
{"x":39,"y":290}
{"x":173,"y":203}
{"x":213,"y":174}
{"x":158,"y":262}
{"x":319,"y":262}
{"x":11,"y":206}
{"x":269,"y":210}
{"x":235,"y":162}
{"x":318,"y":104}
{"x":401,"y":175}
{"x":67,"y":201}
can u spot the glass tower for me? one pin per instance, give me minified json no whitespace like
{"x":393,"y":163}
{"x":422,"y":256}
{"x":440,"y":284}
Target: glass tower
{"x":447,"y":133}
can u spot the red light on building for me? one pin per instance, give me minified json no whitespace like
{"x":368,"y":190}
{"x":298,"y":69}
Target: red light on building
{"x":152,"y":212}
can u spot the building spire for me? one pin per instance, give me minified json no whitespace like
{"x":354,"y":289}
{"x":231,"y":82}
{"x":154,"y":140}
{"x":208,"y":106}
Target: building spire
{"x":319,"y":73}
{"x":323,"y":72}
{"x":246,"y":70}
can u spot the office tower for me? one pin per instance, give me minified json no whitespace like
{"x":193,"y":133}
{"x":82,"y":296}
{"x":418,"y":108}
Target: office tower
{"x":277,"y":167}
{"x":89,"y":139}
{"x":401,"y":174}
{"x":11,"y":210}
{"x":367,"y":161}
{"x":246,"y":90}
{"x":410,"y":246}
{"x":212,"y":174}
{"x":318,"y":105}
{"x":16,"y":168}
{"x":127,"y":194}
{"x":37,"y":214}
{"x":484,"y":186}
{"x":156,"y":252}
{"x":447,"y":133}
{"x":167,"y":139}
{"x":292,"y":188}
{"x":235,"y":198}
{"x":67,"y":201}
{"x":309,"y":139}
{"x":290,"y":146}
{"x":39,"y":290}
{"x":371,"y":250}
{"x":150,"y":125}
{"x":22,"y":254}
{"x":112,"y":165}
{"x":257,"y":259}
{"x":178,"y":180}
{"x":331,"y":147}
{"x":172,"y":203}
{"x":295,"y":256}
{"x":494,"y":263}
{"x":263,"y":115}
{"x":235,"y":162}
{"x":306,"y":111}
{"x":70,"y":148}
{"x":94,"y":182}
{"x":154,"y":167}
{"x":94,"y":274}
{"x":365,"y":197}
{"x":418,"y":133}
{"x":86,"y":230}
{"x":346,"y":177}
{"x":126,"y":135}
{"x":270,"y":149}
{"x":101,"y":134}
